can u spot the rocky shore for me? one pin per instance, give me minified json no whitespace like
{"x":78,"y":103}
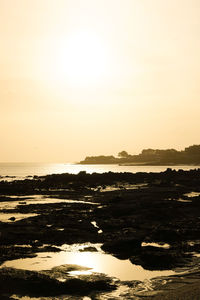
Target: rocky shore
{"x":150,"y":219}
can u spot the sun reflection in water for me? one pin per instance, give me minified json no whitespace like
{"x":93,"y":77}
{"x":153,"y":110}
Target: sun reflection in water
{"x":96,"y":261}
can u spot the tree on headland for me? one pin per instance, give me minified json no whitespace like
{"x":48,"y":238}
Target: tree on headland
{"x":194,"y":149}
{"x":123,"y":154}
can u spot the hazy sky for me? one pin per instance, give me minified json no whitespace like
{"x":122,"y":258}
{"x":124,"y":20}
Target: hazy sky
{"x":94,"y":77}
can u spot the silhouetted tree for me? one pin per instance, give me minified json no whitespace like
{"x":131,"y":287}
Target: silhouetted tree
{"x":123,"y":154}
{"x":195,"y":149}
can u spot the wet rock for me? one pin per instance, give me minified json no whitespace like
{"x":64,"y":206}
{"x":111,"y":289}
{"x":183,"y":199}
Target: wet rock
{"x":63,"y":271}
{"x":126,"y":217}
{"x":14,"y":252}
{"x":123,"y":248}
{"x":167,"y":234}
{"x":153,"y":258}
{"x":36,"y":243}
{"x":38,"y":284}
{"x":46,"y":249}
{"x":88,"y":249}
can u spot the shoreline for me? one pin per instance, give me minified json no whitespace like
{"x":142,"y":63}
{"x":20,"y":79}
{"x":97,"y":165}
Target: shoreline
{"x":150,"y":219}
{"x":141,"y":164}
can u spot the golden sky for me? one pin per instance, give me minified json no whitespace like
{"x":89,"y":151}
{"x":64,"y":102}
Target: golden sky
{"x":91,"y":77}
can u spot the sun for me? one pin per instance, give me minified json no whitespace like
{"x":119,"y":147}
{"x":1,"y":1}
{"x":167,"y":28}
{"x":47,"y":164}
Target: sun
{"x":80,"y":59}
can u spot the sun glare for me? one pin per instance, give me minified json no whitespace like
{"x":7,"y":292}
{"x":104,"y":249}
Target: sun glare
{"x":79,"y":60}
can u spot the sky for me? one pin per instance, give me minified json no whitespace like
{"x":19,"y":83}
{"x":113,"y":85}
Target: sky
{"x":85,"y":77}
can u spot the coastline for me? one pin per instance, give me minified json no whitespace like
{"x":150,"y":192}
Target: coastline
{"x":159,"y":164}
{"x":190,"y":156}
{"x":141,"y":164}
{"x":149,"y":219}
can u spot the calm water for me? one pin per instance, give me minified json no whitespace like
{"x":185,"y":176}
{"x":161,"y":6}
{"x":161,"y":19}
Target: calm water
{"x":22,"y":170}
{"x":96,"y":262}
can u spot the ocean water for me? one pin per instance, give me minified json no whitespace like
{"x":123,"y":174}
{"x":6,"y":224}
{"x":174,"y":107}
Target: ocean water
{"x":12,"y":171}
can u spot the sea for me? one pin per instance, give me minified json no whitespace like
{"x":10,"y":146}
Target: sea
{"x":16,"y":171}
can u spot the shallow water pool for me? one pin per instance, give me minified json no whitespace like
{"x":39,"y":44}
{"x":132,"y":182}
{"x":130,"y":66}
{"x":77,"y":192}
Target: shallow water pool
{"x":97,"y":262}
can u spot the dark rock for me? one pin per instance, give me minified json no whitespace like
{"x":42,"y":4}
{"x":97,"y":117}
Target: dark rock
{"x":123,"y":248}
{"x":153,"y":258}
{"x":89,"y":249}
{"x":39,"y":284}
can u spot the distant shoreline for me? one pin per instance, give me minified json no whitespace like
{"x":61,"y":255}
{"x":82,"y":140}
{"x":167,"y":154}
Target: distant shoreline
{"x":150,"y":157}
{"x":140,"y":164}
{"x":157,"y":164}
